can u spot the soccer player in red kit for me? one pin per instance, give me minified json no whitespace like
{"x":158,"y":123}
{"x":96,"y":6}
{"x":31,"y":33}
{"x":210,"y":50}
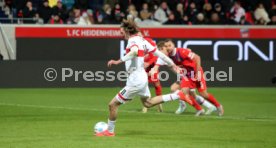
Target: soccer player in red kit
{"x":193,"y":74}
{"x":149,"y":62}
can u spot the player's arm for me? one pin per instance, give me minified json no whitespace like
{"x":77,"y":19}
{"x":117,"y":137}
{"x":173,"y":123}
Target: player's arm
{"x":194,"y":57}
{"x":131,"y":54}
{"x":165,"y":58}
{"x":197,"y":60}
{"x":159,"y":54}
{"x":175,"y":69}
{"x":151,"y":61}
{"x":155,"y":68}
{"x":159,"y":63}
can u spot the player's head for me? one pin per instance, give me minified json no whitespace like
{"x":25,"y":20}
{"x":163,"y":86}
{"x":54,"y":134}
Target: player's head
{"x":161,"y":46}
{"x":140,"y":34}
{"x":128,"y":28}
{"x":169,"y":45}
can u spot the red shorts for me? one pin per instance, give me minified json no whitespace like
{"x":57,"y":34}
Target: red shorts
{"x":192,"y":83}
{"x":154,"y":78}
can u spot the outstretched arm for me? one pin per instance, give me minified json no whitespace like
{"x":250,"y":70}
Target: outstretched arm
{"x":159,"y":63}
{"x":154,"y":70}
{"x":164,"y":58}
{"x":133,"y":52}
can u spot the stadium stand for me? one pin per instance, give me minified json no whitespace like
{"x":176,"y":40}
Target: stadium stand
{"x":144,"y":12}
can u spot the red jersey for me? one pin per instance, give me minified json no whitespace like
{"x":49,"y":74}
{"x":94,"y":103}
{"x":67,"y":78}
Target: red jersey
{"x":184,"y":58}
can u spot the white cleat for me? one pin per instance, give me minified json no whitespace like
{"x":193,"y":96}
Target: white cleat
{"x":210,"y":110}
{"x":144,"y":110}
{"x":181,"y":108}
{"x":199,"y":113}
{"x":220,"y":110}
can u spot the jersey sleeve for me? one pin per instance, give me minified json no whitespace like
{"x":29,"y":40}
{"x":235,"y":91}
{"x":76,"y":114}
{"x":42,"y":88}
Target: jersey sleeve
{"x":186,"y":53}
{"x":152,"y":59}
{"x":150,"y":48}
{"x":150,"y":41}
{"x":160,"y":62}
{"x":130,"y":44}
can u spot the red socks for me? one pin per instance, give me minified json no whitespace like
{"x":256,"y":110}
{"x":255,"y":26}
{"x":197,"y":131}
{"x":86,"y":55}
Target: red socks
{"x":189,"y":99}
{"x":195,"y":104}
{"x":213,"y":100}
{"x":158,"y":90}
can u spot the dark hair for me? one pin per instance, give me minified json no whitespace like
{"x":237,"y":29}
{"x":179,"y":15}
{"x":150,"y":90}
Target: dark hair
{"x":130,"y":26}
{"x":160,"y":44}
{"x":168,"y":40}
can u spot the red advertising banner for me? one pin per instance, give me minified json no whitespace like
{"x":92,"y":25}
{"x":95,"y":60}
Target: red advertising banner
{"x":104,"y":32}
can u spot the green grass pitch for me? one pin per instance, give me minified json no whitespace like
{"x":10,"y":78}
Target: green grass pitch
{"x":65,"y":118}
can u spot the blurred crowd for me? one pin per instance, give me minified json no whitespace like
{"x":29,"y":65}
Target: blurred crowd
{"x":144,"y":12}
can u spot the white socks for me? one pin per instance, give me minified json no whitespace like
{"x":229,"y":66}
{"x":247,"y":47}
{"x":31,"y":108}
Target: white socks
{"x":111,"y":126}
{"x":170,"y":97}
{"x":204,"y":102}
{"x":200,"y":100}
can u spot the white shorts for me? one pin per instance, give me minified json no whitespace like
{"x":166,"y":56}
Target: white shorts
{"x":137,"y":85}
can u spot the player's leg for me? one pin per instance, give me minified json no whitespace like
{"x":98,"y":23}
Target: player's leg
{"x":175,"y":86}
{"x":144,"y":109}
{"x":200,"y":100}
{"x":202,"y":89}
{"x":190,"y":99}
{"x":187,"y":84}
{"x":158,"y":88}
{"x":213,"y":100}
{"x":208,"y":96}
{"x":146,"y":99}
{"x":210,"y":107}
{"x":113,"y":111}
{"x":171,"y":97}
{"x":150,"y":102}
{"x":153,"y":79}
{"x":158,"y":92}
{"x":145,"y":95}
{"x":182,"y":105}
{"x":126,"y":94}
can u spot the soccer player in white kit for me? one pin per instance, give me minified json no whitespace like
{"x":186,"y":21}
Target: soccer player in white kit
{"x":137,"y":82}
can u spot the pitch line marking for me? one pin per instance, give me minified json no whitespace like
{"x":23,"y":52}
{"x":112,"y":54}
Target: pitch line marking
{"x":126,"y":111}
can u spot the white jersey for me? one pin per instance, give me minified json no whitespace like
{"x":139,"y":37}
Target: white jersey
{"x":137,"y":63}
{"x":137,"y":82}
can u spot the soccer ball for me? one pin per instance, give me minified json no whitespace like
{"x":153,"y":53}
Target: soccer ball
{"x":100,"y":127}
